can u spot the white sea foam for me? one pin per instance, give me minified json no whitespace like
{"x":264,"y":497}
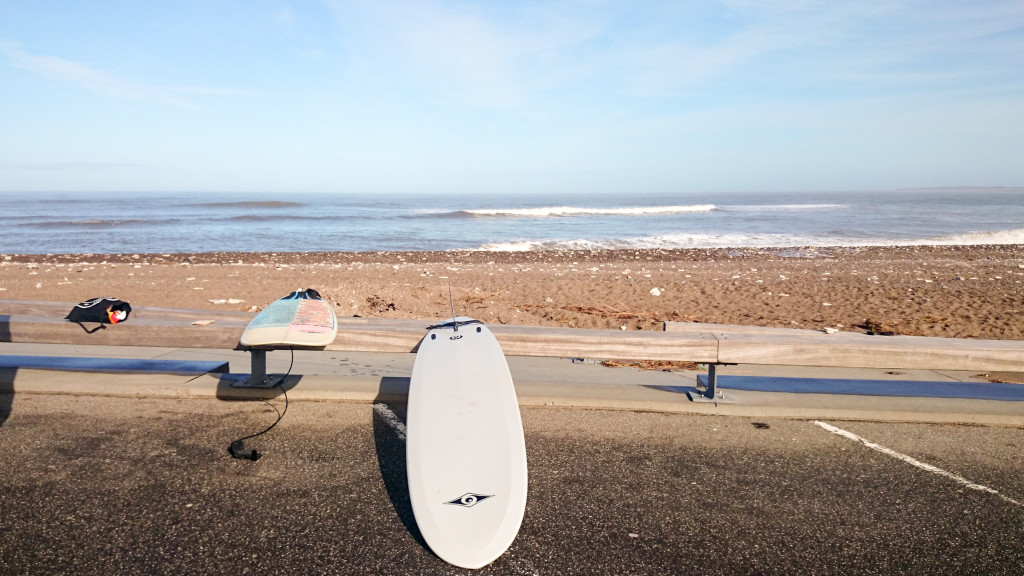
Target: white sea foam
{"x":547,"y":211}
{"x":999,"y":237}
{"x":683,"y":241}
{"x":666,"y":242}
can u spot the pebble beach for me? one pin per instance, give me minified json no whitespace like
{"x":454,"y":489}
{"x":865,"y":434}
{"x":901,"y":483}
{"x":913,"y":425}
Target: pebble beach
{"x":941,"y":291}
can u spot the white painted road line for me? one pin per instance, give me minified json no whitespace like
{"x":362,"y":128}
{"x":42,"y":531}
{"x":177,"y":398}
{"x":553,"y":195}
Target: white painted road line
{"x":391,"y":419}
{"x":927,"y":467}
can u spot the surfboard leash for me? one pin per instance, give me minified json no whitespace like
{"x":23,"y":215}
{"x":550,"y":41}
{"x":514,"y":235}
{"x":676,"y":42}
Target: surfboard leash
{"x":451,"y":301}
{"x":238,"y":449}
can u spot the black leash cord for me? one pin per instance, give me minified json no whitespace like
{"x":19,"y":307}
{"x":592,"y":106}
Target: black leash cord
{"x":237,"y":449}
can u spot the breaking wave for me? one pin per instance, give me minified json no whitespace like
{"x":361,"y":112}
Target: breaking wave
{"x":563,"y":211}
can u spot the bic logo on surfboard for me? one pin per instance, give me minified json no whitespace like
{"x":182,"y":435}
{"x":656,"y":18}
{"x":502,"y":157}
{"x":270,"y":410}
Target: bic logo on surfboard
{"x":468,"y":500}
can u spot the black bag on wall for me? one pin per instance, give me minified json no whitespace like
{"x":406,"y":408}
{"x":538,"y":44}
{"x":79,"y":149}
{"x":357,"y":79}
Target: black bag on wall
{"x":103,"y":310}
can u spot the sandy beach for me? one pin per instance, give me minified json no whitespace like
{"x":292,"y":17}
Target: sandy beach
{"x":944,"y":291}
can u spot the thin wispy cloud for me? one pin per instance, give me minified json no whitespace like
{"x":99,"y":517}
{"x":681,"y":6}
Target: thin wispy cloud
{"x":92,"y":78}
{"x":506,"y":56}
{"x":889,"y":45}
{"x":69,"y":166}
{"x":474,"y":55}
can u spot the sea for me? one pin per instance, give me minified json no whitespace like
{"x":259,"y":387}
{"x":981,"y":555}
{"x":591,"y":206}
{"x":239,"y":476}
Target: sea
{"x":119,"y":223}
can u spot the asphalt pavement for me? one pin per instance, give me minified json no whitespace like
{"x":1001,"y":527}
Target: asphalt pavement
{"x":130,"y":474}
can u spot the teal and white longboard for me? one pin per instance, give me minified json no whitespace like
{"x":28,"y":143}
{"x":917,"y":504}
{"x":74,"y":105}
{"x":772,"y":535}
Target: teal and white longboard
{"x":299,"y":319}
{"x":465,"y":451}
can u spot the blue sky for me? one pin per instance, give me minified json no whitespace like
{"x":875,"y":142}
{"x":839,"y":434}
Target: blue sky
{"x":518,"y":96}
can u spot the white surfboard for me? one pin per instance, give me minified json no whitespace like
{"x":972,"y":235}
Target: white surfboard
{"x":465,"y":452}
{"x":299,"y":319}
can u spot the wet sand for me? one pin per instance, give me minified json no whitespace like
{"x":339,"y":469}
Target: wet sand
{"x":944,"y":291}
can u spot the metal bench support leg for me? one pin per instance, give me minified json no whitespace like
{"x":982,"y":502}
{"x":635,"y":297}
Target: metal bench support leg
{"x":712,"y":383}
{"x":259,"y":365}
{"x":711,"y":393}
{"x":258,"y":377}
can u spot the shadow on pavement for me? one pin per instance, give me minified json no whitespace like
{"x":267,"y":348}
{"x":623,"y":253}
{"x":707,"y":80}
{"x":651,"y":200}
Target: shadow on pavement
{"x":6,"y":375}
{"x":6,"y":392}
{"x":233,"y":388}
{"x":389,"y":412}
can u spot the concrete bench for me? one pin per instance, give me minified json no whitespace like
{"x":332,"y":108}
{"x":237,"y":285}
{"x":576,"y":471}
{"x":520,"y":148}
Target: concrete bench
{"x":795,"y":347}
{"x":43,"y":322}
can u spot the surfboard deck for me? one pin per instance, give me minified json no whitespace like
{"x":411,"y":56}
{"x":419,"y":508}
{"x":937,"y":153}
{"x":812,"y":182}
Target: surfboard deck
{"x":465,"y":451}
{"x":299,"y":319}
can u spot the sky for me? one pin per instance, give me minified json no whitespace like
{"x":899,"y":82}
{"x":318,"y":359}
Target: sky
{"x":546,"y":96}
